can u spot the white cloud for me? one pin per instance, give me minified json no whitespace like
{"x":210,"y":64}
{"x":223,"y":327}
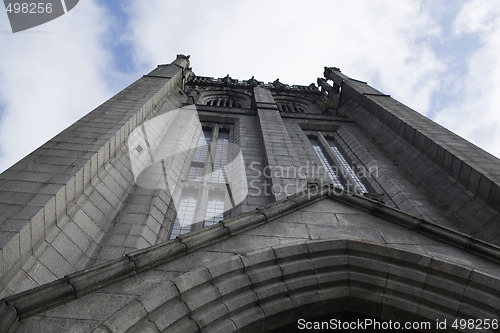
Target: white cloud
{"x":474,"y":113}
{"x":382,"y":42}
{"x":50,"y":76}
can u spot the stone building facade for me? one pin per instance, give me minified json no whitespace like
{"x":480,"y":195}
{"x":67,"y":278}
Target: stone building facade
{"x":188,"y":203}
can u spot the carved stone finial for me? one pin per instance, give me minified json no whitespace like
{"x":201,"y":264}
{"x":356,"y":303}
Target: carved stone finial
{"x":277,"y":84}
{"x":312,"y":86}
{"x":253,"y":82}
{"x":227,"y":79}
{"x":328,"y":70}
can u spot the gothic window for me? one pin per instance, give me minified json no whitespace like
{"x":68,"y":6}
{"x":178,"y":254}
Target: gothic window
{"x":215,"y":208}
{"x":346,"y":167}
{"x":220,"y":158}
{"x":291,"y":107}
{"x":185,"y":213}
{"x":331,"y":173}
{"x":204,"y":195}
{"x":340,"y":172}
{"x":224,"y":102}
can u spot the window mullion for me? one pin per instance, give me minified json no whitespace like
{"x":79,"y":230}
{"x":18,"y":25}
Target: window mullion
{"x":353,"y":183}
{"x":342,"y":173}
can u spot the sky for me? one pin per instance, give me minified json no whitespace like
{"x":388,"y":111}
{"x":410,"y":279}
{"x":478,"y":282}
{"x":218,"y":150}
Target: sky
{"x":441,"y":58}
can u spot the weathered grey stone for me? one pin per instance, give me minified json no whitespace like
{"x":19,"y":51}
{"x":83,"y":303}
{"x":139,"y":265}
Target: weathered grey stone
{"x":98,"y":277}
{"x":204,"y":237}
{"x":155,"y":255}
{"x":125,"y":318}
{"x":41,"y":298}
{"x":159,"y":296}
{"x":169,"y":314}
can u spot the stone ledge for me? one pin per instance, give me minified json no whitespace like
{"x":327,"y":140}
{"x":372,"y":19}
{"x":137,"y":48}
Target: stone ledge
{"x":33,"y":301}
{"x":86,"y":281}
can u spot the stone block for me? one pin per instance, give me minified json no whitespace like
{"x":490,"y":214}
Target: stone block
{"x":77,"y":236}
{"x":203,"y":295}
{"x":277,"y":229}
{"x":231,"y":285}
{"x":231,"y":265}
{"x":111,"y":198}
{"x":87,"y":225}
{"x":251,"y":320}
{"x":9,"y":210}
{"x":21,"y":186}
{"x":67,"y":248}
{"x":296,"y":268}
{"x":244,"y":222}
{"x":125,"y":318}
{"x":184,"y":325}
{"x":209,"y":315}
{"x":289,"y":253}
{"x":55,"y":262}
{"x":270,"y":290}
{"x":204,"y":237}
{"x":278,"y":312}
{"x":11,"y":254}
{"x":298,"y":284}
{"x":46,"y":325}
{"x":449,"y":271}
{"x":192,"y":279}
{"x":398,"y":309}
{"x":279,"y":209}
{"x":8,"y":316}
{"x":366,"y":301}
{"x":318,"y":248}
{"x":144,"y":326}
{"x":87,"y":281}
{"x":87,"y":175}
{"x":17,"y":198}
{"x":373,"y":265}
{"x":36,"y":300}
{"x":156,"y":255}
{"x":113,"y":185}
{"x":41,"y":274}
{"x":264,"y":274}
{"x":333,"y":278}
{"x":160,"y":295}
{"x":96,"y":307}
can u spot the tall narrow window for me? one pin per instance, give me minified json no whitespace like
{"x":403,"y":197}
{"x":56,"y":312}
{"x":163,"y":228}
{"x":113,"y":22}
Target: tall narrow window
{"x":203,"y":199}
{"x":348,"y":169}
{"x":332,"y":174}
{"x":220,"y":158}
{"x":185,"y":213}
{"x":215,"y":208}
{"x":197,"y":167}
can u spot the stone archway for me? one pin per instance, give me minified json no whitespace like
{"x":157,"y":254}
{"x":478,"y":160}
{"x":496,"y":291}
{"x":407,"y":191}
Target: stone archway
{"x":274,"y":287}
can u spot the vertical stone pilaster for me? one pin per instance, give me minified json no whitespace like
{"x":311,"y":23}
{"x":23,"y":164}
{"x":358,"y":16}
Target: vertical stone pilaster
{"x":281,"y":157}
